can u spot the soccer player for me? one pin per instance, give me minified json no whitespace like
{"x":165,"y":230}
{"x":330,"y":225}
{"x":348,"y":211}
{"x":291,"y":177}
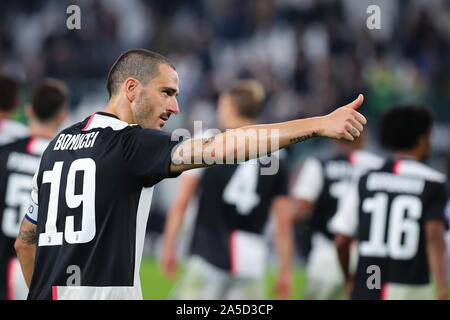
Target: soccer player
{"x":19,"y":161}
{"x":321,"y":185}
{"x":83,"y":237}
{"x":10,"y":129}
{"x":228,"y":251}
{"x":397,"y":215}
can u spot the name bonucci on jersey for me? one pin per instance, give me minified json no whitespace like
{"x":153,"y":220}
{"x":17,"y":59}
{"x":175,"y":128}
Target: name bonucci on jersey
{"x":75,"y":142}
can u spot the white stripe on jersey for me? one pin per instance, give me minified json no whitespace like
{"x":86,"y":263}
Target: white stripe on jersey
{"x":416,"y":169}
{"x":101,"y":121}
{"x":36,"y":146}
{"x":145,"y":201}
{"x":364,"y":161}
{"x":309,"y":183}
{"x":11,"y":130}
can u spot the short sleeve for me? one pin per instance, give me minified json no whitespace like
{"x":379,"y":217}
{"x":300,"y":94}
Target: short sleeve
{"x":437,"y":200}
{"x":32,"y":211}
{"x":148,"y":154}
{"x":345,"y":221}
{"x":309,"y":183}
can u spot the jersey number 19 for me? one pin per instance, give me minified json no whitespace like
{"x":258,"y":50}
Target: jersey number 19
{"x":51,"y":236}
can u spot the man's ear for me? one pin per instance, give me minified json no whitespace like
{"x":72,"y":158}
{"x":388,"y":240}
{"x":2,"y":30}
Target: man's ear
{"x":130,"y":86}
{"x":424,"y":144}
{"x":62,"y":116}
{"x":234,"y":110}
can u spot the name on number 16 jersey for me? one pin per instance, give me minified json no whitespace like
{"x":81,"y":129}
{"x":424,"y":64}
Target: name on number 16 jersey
{"x":91,"y":199}
{"x":388,"y":214}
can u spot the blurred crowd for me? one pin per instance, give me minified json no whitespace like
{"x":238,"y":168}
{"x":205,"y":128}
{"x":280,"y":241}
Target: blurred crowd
{"x":311,"y":55}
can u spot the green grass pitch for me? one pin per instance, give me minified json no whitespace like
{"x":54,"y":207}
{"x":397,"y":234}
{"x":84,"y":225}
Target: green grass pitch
{"x":155,"y":286}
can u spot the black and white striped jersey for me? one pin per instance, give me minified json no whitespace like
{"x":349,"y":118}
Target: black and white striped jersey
{"x":324,"y":182}
{"x":386,"y":212}
{"x":234,"y":205}
{"x":18,"y":162}
{"x":91,"y":199}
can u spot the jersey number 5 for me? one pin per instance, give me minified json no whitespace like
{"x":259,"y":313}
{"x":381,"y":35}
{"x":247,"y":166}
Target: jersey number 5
{"x":51,"y":237}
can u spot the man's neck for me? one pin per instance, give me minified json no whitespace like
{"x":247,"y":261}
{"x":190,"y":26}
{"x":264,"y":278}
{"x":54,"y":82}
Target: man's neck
{"x":406,"y":155}
{"x":116,"y":107}
{"x":46,"y":131}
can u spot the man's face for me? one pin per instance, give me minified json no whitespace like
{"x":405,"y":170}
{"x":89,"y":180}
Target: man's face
{"x":156,"y":101}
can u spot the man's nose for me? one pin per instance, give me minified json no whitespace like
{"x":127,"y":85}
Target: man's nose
{"x":173,"y":106}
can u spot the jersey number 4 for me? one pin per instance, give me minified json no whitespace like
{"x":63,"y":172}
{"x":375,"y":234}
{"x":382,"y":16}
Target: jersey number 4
{"x":403,"y":227}
{"x":241,"y":189}
{"x":51,"y":236}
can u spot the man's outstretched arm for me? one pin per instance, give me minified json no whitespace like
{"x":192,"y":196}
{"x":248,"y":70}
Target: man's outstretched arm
{"x":437,"y":255}
{"x":250,"y":142}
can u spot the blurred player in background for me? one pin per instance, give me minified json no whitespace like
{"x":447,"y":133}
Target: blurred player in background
{"x":397,"y":215}
{"x":19,"y":160}
{"x":320,"y":186}
{"x":9,"y":101}
{"x":228,"y":251}
{"x":87,"y":243}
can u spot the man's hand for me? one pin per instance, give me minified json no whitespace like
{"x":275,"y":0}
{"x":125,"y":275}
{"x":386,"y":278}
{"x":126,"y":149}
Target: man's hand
{"x":344,"y":123}
{"x":283,"y":286}
{"x":169,"y":263}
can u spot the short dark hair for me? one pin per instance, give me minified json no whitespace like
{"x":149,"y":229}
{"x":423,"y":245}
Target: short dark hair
{"x":49,"y":97}
{"x":248,"y":96}
{"x":403,"y":125}
{"x":9,"y":93}
{"x":141,"y":64}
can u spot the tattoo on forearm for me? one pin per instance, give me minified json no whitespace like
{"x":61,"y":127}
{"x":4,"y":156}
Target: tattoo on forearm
{"x":28,"y":236}
{"x":304,"y":138}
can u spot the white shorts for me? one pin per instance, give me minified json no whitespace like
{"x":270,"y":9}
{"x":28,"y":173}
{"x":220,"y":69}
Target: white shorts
{"x":397,"y":291}
{"x":324,"y":276}
{"x":16,"y":286}
{"x":202,"y":281}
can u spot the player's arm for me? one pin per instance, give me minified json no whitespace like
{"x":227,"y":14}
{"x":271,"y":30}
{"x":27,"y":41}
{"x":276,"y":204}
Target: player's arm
{"x":307,"y":189}
{"x":344,"y":123}
{"x":437,"y":255}
{"x":344,"y":225}
{"x":174,"y":221}
{"x":343,"y":244}
{"x":303,"y":209}
{"x":25,"y":246}
{"x":284,"y":243}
